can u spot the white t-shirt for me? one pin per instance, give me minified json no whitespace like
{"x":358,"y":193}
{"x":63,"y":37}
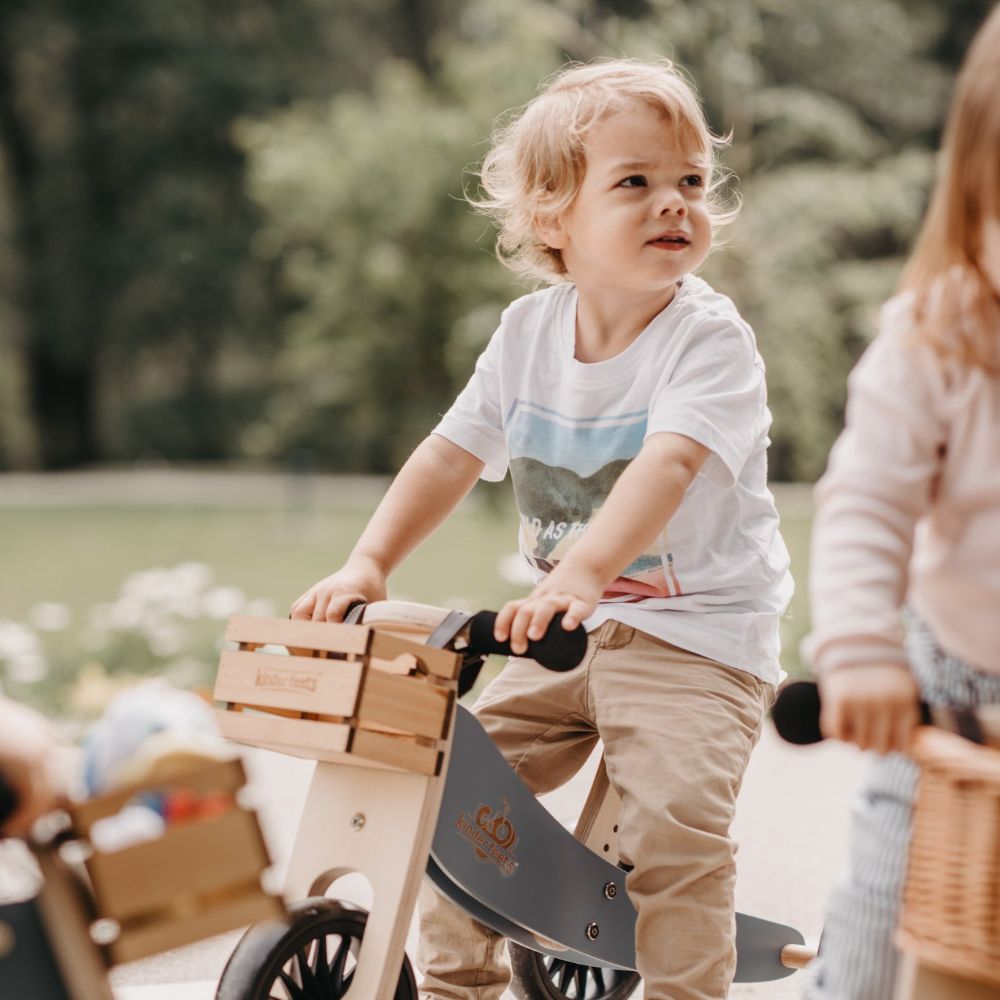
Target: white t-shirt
{"x":716,"y":581}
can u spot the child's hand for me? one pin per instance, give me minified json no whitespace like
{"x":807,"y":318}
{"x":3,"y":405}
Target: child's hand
{"x":575,"y":594}
{"x":328,"y":600}
{"x":875,"y":707}
{"x":27,"y":744}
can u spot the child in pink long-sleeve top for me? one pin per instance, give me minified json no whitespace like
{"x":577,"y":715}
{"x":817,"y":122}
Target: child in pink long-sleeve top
{"x":909,"y":516}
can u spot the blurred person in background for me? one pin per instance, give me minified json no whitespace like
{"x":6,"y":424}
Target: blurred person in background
{"x":908,"y":527}
{"x":29,"y":784}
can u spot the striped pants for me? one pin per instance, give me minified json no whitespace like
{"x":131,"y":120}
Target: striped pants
{"x":857,"y":959}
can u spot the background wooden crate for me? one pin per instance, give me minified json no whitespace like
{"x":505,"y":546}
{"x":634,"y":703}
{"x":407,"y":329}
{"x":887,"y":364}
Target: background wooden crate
{"x":334,"y":692}
{"x":200,"y":878}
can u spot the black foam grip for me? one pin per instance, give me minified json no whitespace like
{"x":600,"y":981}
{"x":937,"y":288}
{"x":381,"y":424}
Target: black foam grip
{"x":796,"y":713}
{"x":8,"y":801}
{"x":558,"y":649}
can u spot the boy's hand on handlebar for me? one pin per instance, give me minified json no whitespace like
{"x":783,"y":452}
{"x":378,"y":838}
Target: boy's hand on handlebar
{"x":328,"y":600}
{"x":875,"y":707}
{"x":528,"y":618}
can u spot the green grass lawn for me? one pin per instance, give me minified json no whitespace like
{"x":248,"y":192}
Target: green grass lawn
{"x":79,"y":557}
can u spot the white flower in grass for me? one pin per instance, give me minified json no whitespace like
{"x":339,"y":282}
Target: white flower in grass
{"x":126,"y":613}
{"x":187,"y":605}
{"x":28,"y":669}
{"x":143,"y":586}
{"x":16,"y":640}
{"x":165,"y":638}
{"x":50,"y":616}
{"x":21,"y":652}
{"x":223,"y":602}
{"x":192,"y":577}
{"x":99,"y":618}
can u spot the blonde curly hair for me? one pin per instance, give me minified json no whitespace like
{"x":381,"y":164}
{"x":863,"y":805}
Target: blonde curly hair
{"x":537,"y":161}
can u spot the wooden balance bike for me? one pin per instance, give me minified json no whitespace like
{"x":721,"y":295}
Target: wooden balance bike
{"x":99,"y":908}
{"x":407,"y":783}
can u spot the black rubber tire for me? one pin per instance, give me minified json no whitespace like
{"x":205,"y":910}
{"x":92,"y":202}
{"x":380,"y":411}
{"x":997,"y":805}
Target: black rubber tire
{"x":541,"y":977}
{"x":263,"y":964}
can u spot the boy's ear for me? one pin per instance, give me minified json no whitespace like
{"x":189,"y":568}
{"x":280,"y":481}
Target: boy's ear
{"x":550,"y":231}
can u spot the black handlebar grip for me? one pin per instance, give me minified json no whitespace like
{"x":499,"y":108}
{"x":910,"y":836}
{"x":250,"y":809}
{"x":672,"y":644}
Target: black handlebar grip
{"x":8,"y":801}
{"x":796,"y":713}
{"x":558,"y":649}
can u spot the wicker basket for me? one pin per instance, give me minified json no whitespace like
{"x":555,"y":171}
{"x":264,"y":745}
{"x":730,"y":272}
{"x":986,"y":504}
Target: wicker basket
{"x":951,"y":906}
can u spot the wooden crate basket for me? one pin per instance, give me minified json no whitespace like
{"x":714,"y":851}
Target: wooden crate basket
{"x":951,"y":907}
{"x":338,"y":693}
{"x":200,"y":878}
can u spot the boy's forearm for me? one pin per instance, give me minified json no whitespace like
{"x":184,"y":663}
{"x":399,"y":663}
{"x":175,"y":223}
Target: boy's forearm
{"x":431,"y":484}
{"x":645,"y":497}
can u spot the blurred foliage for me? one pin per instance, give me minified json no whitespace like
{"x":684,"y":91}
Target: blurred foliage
{"x":237,"y":230}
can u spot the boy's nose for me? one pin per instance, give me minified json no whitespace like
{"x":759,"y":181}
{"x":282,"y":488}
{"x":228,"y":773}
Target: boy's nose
{"x":673,"y":202}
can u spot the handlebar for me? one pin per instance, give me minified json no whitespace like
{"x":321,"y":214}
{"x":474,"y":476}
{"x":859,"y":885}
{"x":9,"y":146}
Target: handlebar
{"x":796,"y":714}
{"x":557,"y":650}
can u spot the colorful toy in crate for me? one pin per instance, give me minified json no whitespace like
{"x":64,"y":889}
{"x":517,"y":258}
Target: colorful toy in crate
{"x":164,"y":854}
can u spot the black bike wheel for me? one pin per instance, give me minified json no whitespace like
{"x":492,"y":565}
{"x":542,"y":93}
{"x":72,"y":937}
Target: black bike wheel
{"x":542,"y":977}
{"x":311,"y":955}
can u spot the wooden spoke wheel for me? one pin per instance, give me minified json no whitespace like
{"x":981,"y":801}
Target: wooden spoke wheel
{"x":310,"y":956}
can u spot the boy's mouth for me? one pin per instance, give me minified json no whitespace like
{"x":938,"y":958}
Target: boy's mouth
{"x":670,"y":241}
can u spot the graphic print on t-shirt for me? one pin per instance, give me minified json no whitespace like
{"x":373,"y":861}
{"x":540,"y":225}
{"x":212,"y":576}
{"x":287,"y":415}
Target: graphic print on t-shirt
{"x":563,"y":469}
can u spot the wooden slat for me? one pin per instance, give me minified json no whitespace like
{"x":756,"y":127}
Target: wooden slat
{"x":221,"y":776}
{"x":142,"y":941}
{"x":396,"y":751}
{"x":407,"y":703}
{"x":328,"y":636}
{"x":402,"y":665}
{"x":297,"y":737}
{"x":301,"y":683}
{"x":440,"y":662}
{"x":199,"y":856}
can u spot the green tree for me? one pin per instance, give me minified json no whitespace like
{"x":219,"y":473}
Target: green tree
{"x":139,"y":315}
{"x":399,"y":289}
{"x":833,"y":111}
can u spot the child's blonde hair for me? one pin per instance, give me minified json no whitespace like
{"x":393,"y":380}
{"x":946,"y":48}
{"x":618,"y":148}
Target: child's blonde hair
{"x":955,"y":304}
{"x":536,"y":165}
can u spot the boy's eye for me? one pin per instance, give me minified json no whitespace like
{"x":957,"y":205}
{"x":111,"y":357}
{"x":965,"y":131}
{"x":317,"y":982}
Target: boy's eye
{"x":693,"y":180}
{"x":636,"y":180}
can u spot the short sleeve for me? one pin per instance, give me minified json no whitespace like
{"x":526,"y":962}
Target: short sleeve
{"x":475,"y":420}
{"x":715,"y":394}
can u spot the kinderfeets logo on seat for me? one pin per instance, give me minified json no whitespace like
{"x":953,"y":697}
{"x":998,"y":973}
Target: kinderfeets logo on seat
{"x":492,"y":834}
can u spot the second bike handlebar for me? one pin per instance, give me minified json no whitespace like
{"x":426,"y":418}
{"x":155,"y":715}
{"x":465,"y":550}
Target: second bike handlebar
{"x":796,"y":715}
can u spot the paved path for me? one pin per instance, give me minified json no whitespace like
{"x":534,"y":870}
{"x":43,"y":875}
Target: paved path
{"x":791,"y":825}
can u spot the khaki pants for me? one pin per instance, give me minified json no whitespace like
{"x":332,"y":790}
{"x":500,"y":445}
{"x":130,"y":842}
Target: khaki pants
{"x":677,"y":730}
